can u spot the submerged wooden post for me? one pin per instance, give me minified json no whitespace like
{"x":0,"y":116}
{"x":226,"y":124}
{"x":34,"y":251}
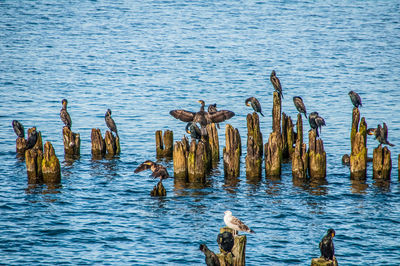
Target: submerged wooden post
{"x":213,"y":143}
{"x":158,"y":190}
{"x":382,"y":163}
{"x":316,"y":156}
{"x":112,"y":144}
{"x":50,"y":165}
{"x":254,"y":146}
{"x":197,"y":162}
{"x":72,"y":143}
{"x":164,"y":144}
{"x":181,"y":150}
{"x":323,"y":262}
{"x":33,"y":160}
{"x":273,"y":155}
{"x":232,"y":152}
{"x":238,"y":250}
{"x":98,"y":144}
{"x":358,"y":156}
{"x":20,"y":146}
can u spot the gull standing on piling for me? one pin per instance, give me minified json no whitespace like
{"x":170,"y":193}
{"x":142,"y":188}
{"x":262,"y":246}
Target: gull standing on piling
{"x":235,"y":224}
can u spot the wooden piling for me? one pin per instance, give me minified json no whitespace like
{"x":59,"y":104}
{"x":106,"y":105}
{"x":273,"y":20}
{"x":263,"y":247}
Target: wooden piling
{"x":287,"y":137}
{"x":33,"y":160}
{"x":238,"y":250}
{"x":39,"y":142}
{"x":354,"y":126}
{"x":112,"y":144}
{"x":300,"y":155}
{"x":316,"y":156}
{"x":180,"y":154}
{"x":273,"y":155}
{"x":382,"y":163}
{"x":213,"y":141}
{"x":197,"y":162}
{"x":50,"y":165}
{"x":299,"y":128}
{"x":158,"y":190}
{"x":254,"y":147}
{"x":323,"y":262}
{"x":358,"y":156}
{"x":276,"y":113}
{"x":164,"y":144}
{"x":20,"y":146}
{"x":72,"y":143}
{"x":232,"y":152}
{"x":98,"y":144}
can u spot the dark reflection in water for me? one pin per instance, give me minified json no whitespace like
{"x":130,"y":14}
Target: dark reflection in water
{"x":316,"y":186}
{"x":107,"y":167}
{"x":231,"y":184}
{"x":42,"y":189}
{"x":382,"y":185}
{"x":273,"y":185}
{"x":358,"y":186}
{"x":70,"y":160}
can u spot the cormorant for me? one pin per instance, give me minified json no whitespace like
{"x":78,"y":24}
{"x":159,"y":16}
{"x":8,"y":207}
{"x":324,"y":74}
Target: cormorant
{"x":298,"y":102}
{"x":65,"y":115}
{"x":193,"y":130}
{"x":326,"y":245}
{"x":212,"y":109}
{"x":110,"y":122}
{"x":202,"y":117}
{"x":255,"y":104}
{"x":32,"y":139}
{"x":316,"y":122}
{"x":276,"y":83}
{"x":355,"y":98}
{"x":158,"y":170}
{"x":18,"y":129}
{"x":381,"y":134}
{"x":211,"y":258}
{"x":226,"y":241}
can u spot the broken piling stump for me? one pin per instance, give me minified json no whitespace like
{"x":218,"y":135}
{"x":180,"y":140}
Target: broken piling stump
{"x":254,"y":147}
{"x":273,"y":155}
{"x":20,"y":146}
{"x":323,"y":262}
{"x":358,"y":156}
{"x":276,"y":113}
{"x":197,"y":162}
{"x":288,"y":140}
{"x":164,"y":144}
{"x":50,"y":165}
{"x":158,"y":190}
{"x":33,"y":160}
{"x":382,"y":163}
{"x":300,"y":155}
{"x":181,"y":150}
{"x":98,"y":144}
{"x":112,"y":144}
{"x":72,"y":143}
{"x":213,"y":141}
{"x":238,"y":250}
{"x":316,"y":156}
{"x":232,"y":152}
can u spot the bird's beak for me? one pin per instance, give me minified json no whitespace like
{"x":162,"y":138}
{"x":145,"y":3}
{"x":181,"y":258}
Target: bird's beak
{"x":333,"y":234}
{"x":188,"y":131}
{"x":147,"y":163}
{"x":247,"y":104}
{"x":371,"y":131}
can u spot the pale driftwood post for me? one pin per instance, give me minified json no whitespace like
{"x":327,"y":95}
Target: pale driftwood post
{"x":273,"y":155}
{"x":112,"y":144}
{"x":358,"y":156}
{"x":33,"y":160}
{"x":238,"y":250}
{"x":72,"y":143}
{"x":232,"y":152}
{"x":254,"y":146}
{"x":213,"y":143}
{"x":382,"y":163}
{"x":181,"y":150}
{"x":158,"y":190}
{"x":20,"y":146}
{"x":323,"y":262}
{"x":164,"y":144}
{"x":98,"y":144}
{"x":50,"y":165}
{"x":316,"y":156}
{"x":197,"y":162}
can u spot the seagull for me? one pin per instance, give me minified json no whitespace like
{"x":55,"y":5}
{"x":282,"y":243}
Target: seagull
{"x":235,"y":224}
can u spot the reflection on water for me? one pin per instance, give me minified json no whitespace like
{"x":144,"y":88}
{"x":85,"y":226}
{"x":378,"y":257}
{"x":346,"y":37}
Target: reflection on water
{"x":317,"y":186}
{"x":42,"y":192}
{"x":358,"y":186}
{"x":231,"y":184}
{"x":382,"y":185}
{"x":273,"y":185}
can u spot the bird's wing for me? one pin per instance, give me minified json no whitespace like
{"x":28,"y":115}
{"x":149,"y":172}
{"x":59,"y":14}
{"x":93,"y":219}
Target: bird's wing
{"x":160,"y":172}
{"x":239,"y":224}
{"x":183,"y":115}
{"x":276,"y":83}
{"x":221,"y":116}
{"x":385,"y":131}
{"x":142,"y":167}
{"x":359,"y":99}
{"x":320,"y":121}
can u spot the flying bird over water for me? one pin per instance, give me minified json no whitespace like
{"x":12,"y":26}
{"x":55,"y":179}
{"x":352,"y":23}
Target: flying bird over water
{"x":326,"y":245}
{"x":32,"y":139}
{"x":316,"y":122}
{"x":211,"y":258}
{"x":298,"y":102}
{"x":65,"y":115}
{"x":276,"y":83}
{"x":381,"y":134}
{"x":193,"y":130}
{"x":18,"y":129}
{"x":110,"y":122}
{"x":202,"y":117}
{"x":235,"y":224}
{"x":158,"y":170}
{"x":355,"y":98}
{"x":255,"y":104}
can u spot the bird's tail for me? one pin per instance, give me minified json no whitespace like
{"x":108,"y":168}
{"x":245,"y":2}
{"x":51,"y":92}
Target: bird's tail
{"x":305,"y":114}
{"x":261,"y":114}
{"x":390,"y":144}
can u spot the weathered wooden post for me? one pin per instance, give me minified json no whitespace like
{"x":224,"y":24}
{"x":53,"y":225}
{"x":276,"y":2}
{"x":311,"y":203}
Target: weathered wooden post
{"x":276,"y":113}
{"x":382,"y":163}
{"x":316,"y":156}
{"x":354,"y":126}
{"x":20,"y":146}
{"x":213,"y":141}
{"x":164,"y":144}
{"x":300,"y":155}
{"x":197,"y":162}
{"x":181,"y":150}
{"x":287,"y":137}
{"x":358,"y":156}
{"x":33,"y":160}
{"x":50,"y":165}
{"x":98,"y":144}
{"x":254,"y":147}
{"x":112,"y":144}
{"x":72,"y":143}
{"x":323,"y":262}
{"x":232,"y":152}
{"x":158,"y":190}
{"x":238,"y":250}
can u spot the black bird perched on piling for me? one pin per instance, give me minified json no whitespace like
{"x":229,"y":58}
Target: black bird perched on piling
{"x":276,"y":83}
{"x":355,"y":98}
{"x":326,"y":245}
{"x":65,"y":115}
{"x":381,"y":134}
{"x":212,"y":109}
{"x":316,"y":122}
{"x":226,"y":241}
{"x":298,"y":102}
{"x":202,"y":117}
{"x":255,"y":104}
{"x":211,"y":258}
{"x":193,"y":130}
{"x":158,"y":170}
{"x":18,"y":129}
{"x":32,"y":139}
{"x":110,"y":122}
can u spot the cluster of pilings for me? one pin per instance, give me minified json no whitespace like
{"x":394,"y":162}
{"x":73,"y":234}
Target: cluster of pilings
{"x":106,"y":147}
